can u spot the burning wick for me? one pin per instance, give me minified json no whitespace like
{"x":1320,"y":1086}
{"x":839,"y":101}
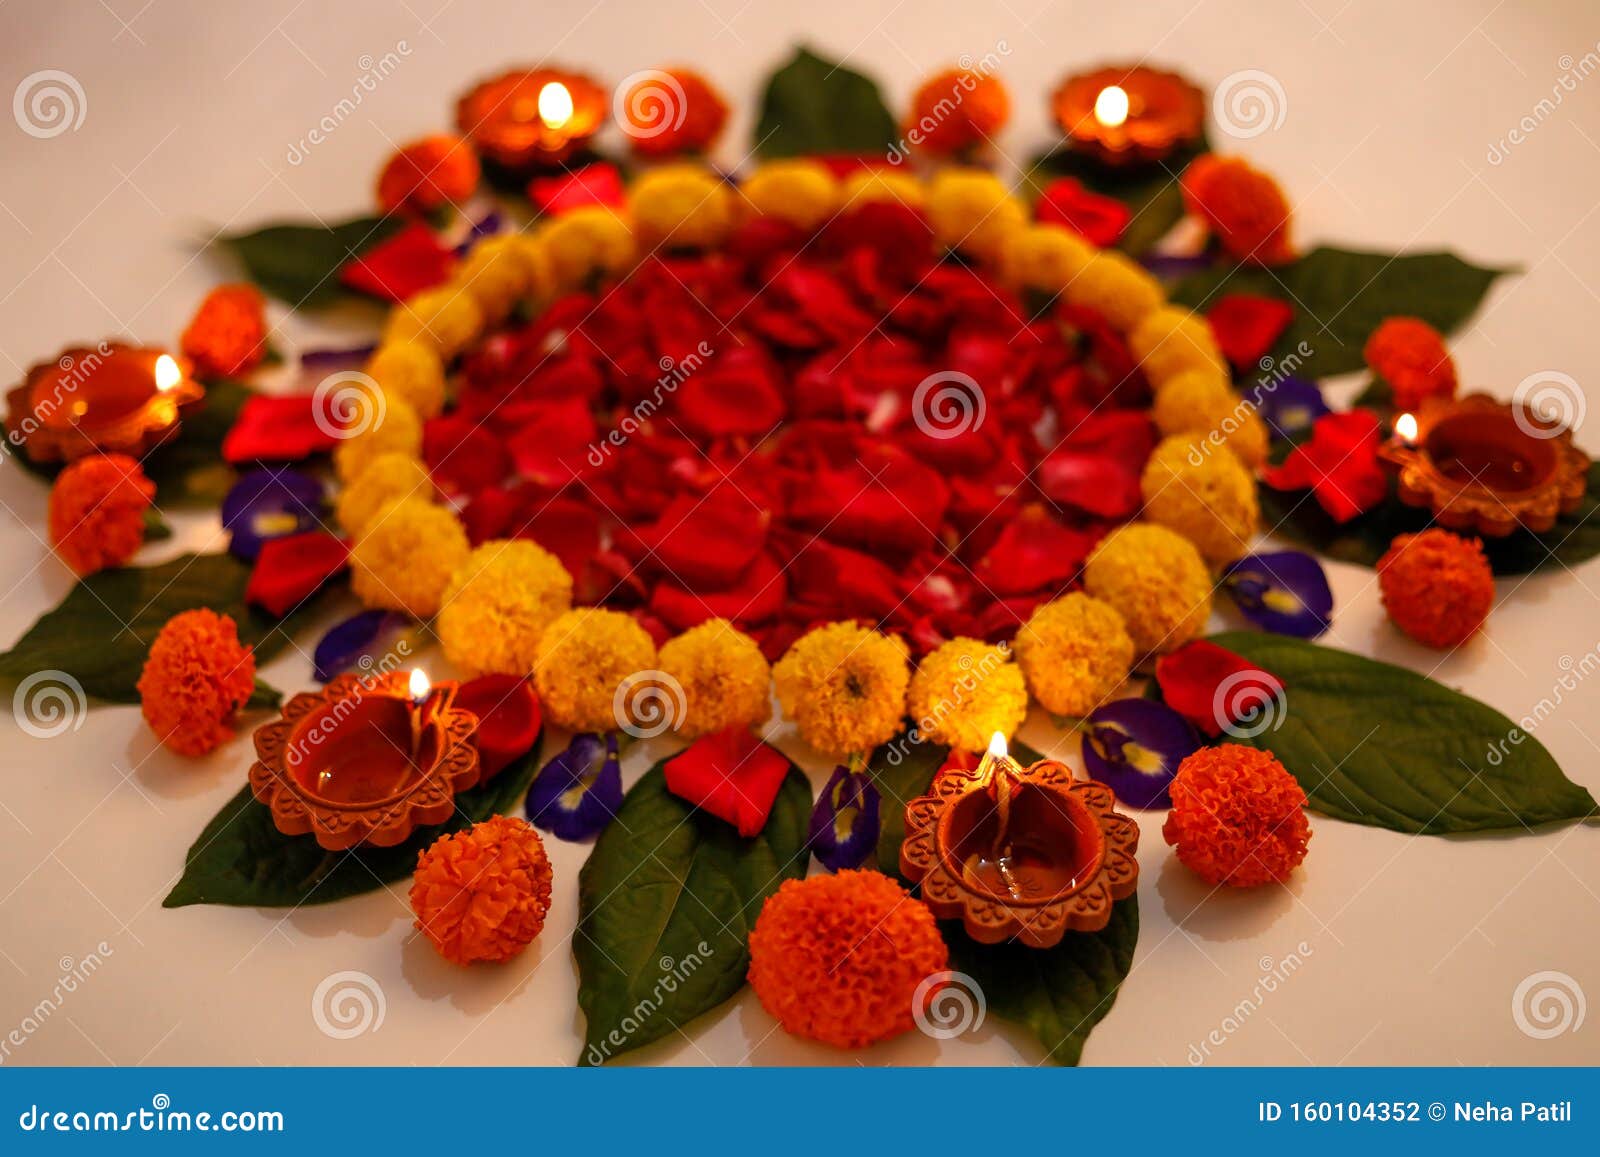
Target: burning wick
{"x":999,"y":768}
{"x":420,"y":689}
{"x":1405,"y":428}
{"x":168,"y":374}
{"x":555,"y":105}
{"x":1111,"y":106}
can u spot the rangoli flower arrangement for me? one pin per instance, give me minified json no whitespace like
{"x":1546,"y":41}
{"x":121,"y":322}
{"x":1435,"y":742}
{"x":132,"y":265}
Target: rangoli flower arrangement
{"x":643,"y":449}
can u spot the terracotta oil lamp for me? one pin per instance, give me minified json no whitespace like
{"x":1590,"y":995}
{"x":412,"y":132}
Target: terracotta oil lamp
{"x":530,"y":119}
{"x":1486,"y":466}
{"x":1129,"y":114}
{"x":113,"y":398}
{"x":1019,"y":853}
{"x":366,"y":760}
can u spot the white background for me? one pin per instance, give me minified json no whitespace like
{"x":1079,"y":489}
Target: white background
{"x":1413,"y":947}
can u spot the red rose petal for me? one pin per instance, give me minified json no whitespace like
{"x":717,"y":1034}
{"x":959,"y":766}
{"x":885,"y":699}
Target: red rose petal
{"x":291,"y":569}
{"x":1339,"y":462}
{"x":1035,"y":552}
{"x":1090,"y":482}
{"x":400,"y":266}
{"x":598,"y":184}
{"x":1247,"y":325}
{"x":705,"y":541}
{"x":1212,"y":687}
{"x":732,"y":775}
{"x":463,"y":455}
{"x":758,"y":596}
{"x":276,"y":429}
{"x":1099,"y":219}
{"x":509,"y":718}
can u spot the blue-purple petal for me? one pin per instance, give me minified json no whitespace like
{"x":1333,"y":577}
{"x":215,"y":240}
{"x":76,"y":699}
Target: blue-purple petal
{"x":1134,"y":747}
{"x":1283,"y":591}
{"x":845,"y":822}
{"x":486,"y":226}
{"x":579,"y":790}
{"x":357,"y":642}
{"x":325,"y":361}
{"x":270,"y":503}
{"x":1289,"y":406}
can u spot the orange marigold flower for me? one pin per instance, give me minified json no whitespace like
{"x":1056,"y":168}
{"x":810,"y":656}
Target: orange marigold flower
{"x":1410,"y":355}
{"x":197,"y":676}
{"x":672,"y":111}
{"x":482,"y":894}
{"x":228,"y":334}
{"x":1236,"y":816}
{"x":838,"y":958}
{"x":97,"y":510}
{"x":959,"y":108}
{"x":1436,"y":586}
{"x":1242,"y":205}
{"x":426,"y":174}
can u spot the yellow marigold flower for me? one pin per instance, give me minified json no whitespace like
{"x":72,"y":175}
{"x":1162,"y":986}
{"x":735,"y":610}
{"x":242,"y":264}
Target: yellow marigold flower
{"x":1043,"y":257}
{"x":1202,"y":404}
{"x":393,"y":427}
{"x":800,"y":191}
{"x":1118,"y":288}
{"x":447,"y":318}
{"x":682,"y":205}
{"x":497,"y":275}
{"x":1171,"y":340}
{"x":387,"y":478}
{"x":499,"y":602}
{"x":530,"y":251}
{"x":412,"y":372}
{"x":585,"y":241}
{"x":866,"y":186}
{"x":1201,"y":490}
{"x":972,"y":210}
{"x":964,"y":691}
{"x":1157,"y":582}
{"x":845,"y":687}
{"x":1075,"y":653}
{"x":725,"y":678}
{"x":583,"y":658}
{"x":405,"y":558}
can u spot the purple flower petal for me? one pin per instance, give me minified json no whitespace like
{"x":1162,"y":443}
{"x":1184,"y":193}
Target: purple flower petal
{"x":845,"y":823}
{"x":1283,"y":591}
{"x":578,"y":791}
{"x":485,"y":226}
{"x":1134,"y":747}
{"x":325,"y":361}
{"x":1288,"y":406}
{"x":267,"y":504}
{"x":356,"y":642}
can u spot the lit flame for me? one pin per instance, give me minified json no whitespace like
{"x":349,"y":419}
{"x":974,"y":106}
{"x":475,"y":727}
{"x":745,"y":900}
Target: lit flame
{"x":1405,"y":427}
{"x":1111,"y":106}
{"x":997,"y":745}
{"x":555,"y":105}
{"x":168,"y":374}
{"x":420,"y":687}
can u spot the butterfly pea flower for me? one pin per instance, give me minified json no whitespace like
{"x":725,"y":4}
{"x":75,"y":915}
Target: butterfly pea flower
{"x":578,"y":791}
{"x":267,"y":504}
{"x":1289,"y":406}
{"x":359,"y":642}
{"x":1134,"y":747}
{"x":1283,"y":591}
{"x":845,"y":822}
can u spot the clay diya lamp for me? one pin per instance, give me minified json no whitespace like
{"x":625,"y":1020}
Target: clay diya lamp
{"x":114,"y":399}
{"x":531,"y":119}
{"x":1016,"y":853}
{"x":1129,"y":114}
{"x":509,"y":719}
{"x":1486,"y":466}
{"x":366,"y":760}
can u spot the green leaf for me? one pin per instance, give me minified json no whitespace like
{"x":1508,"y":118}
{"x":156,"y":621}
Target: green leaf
{"x":1340,"y":296}
{"x":901,"y":771}
{"x":814,"y":106}
{"x":1295,"y":515}
{"x":264,"y":697}
{"x":155,"y":527}
{"x":1380,"y":745}
{"x":241,"y":859}
{"x":102,"y":631}
{"x":1058,"y":993}
{"x":1150,"y":191}
{"x":299,"y":264}
{"x":189,"y":470}
{"x":666,"y":902}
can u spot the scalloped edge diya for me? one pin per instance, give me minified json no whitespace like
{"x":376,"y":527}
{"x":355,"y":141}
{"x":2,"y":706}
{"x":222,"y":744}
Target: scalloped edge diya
{"x":106,"y":399}
{"x":1488,"y":466}
{"x":1020,"y":853}
{"x":363,"y":761}
{"x":503,"y":119}
{"x":1165,"y":113}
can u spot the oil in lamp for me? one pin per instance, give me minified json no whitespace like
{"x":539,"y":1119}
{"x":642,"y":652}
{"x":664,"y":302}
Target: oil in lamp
{"x":530,"y":119}
{"x":366,"y":760}
{"x":1129,"y":114}
{"x":1486,"y":466}
{"x":1019,"y":853}
{"x":113,"y":398}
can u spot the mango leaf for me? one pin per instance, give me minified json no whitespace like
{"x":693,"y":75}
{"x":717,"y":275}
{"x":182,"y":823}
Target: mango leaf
{"x":189,"y":470}
{"x":299,"y":264}
{"x":1294,"y":515}
{"x":1058,"y":993}
{"x":1340,"y":296}
{"x":101,"y":632}
{"x":666,"y":902}
{"x":814,"y":106}
{"x":901,"y":771}
{"x":1151,"y":191}
{"x":241,"y":859}
{"x":264,"y":697}
{"x":155,"y":527}
{"x":1380,"y":745}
